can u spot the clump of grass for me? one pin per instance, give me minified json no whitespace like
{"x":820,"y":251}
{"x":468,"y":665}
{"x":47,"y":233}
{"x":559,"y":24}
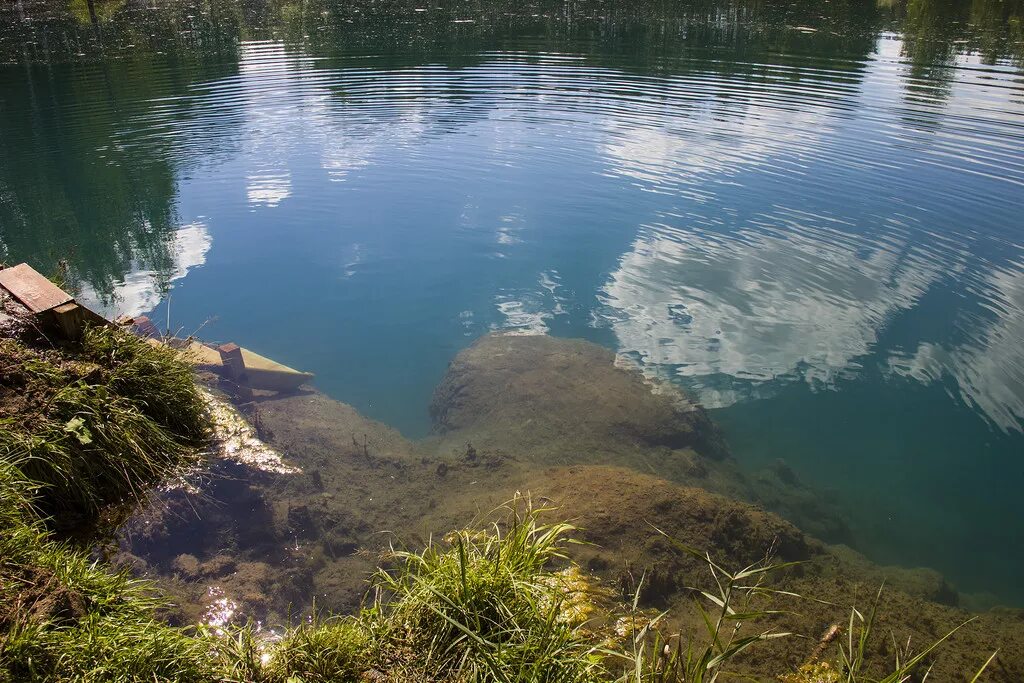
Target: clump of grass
{"x":734,"y":603}
{"x":331,"y":651}
{"x":851,"y":659}
{"x":484,"y":607}
{"x":478,"y":606}
{"x":155,"y":378}
{"x":97,"y":422}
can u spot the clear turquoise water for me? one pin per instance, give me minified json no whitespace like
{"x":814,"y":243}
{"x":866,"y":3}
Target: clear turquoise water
{"x":812,"y":221}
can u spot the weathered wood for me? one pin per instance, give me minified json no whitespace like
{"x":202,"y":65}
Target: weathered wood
{"x":69,"y":319}
{"x":231,"y":357}
{"x":31,"y":289}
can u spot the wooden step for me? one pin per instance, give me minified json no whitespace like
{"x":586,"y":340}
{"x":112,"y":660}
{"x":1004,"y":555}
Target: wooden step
{"x":32,"y":290}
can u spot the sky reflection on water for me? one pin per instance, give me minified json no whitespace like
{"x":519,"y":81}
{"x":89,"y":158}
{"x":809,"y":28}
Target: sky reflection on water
{"x":801,"y":226}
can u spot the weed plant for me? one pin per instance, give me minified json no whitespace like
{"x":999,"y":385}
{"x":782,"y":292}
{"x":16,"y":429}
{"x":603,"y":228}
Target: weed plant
{"x":486,"y":607}
{"x":480,"y":606}
{"x":655,"y":658}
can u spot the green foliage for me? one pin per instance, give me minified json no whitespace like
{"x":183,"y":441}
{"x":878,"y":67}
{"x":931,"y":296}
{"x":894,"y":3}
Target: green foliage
{"x":481,"y":606}
{"x":852,"y":654}
{"x":82,"y":428}
{"x":331,"y":651}
{"x":655,"y":658}
{"x":63,"y":617}
{"x":153,"y":377}
{"x":485,"y":607}
{"x":99,"y":422}
{"x":119,"y":647}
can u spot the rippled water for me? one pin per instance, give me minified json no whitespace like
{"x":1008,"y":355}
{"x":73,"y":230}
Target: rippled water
{"x":812,"y":221}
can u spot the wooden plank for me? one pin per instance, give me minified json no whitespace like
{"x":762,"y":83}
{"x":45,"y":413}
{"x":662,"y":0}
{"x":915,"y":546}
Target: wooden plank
{"x":31,"y":289}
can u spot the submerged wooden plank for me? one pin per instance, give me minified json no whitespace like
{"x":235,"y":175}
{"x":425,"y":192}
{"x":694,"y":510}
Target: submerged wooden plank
{"x":260,"y":371}
{"x":31,"y":289}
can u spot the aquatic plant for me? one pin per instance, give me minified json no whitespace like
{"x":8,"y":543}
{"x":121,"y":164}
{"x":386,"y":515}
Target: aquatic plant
{"x":496,"y":605}
{"x":476,"y":606}
{"x":852,"y":658}
{"x":330,"y":651}
{"x":655,"y":658}
{"x":97,"y":422}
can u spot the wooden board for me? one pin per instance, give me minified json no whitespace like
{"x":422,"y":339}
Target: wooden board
{"x":260,"y":371}
{"x":31,"y":289}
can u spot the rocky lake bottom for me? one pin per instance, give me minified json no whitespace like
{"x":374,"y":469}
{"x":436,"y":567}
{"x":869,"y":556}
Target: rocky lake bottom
{"x":557,"y":420}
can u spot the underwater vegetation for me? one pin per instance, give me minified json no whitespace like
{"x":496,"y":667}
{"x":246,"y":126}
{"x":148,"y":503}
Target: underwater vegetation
{"x":502,"y":604}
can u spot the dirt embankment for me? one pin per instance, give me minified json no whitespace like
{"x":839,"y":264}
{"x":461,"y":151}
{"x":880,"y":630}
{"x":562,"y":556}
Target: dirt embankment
{"x":558,"y":419}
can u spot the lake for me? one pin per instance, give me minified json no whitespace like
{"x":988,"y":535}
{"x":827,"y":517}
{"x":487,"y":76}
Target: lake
{"x":809,"y":217}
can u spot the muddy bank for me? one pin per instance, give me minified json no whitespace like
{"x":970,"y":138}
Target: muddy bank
{"x":554,"y":418}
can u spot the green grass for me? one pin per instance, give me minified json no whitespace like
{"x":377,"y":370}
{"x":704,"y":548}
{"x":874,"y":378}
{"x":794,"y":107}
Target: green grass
{"x":99,"y":422}
{"x":479,"y":606}
{"x":487,"y":606}
{"x":85,"y":427}
{"x":337,"y":649}
{"x":63,"y":617}
{"x":737,"y":602}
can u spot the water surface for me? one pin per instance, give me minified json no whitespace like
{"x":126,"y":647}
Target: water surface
{"x":810,"y":218}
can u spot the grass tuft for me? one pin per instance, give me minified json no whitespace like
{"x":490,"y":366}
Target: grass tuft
{"x":97,"y":423}
{"x":333,"y":651}
{"x":736,"y":603}
{"x":486,"y":606}
{"x":64,"y":617}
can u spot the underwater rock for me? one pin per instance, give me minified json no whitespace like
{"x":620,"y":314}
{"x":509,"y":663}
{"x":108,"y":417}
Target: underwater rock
{"x":623,"y":512}
{"x":557,"y":401}
{"x":778,"y":488}
{"x":540,"y":396}
{"x":300,"y":522}
{"x":921,"y":582}
{"x":186,"y":565}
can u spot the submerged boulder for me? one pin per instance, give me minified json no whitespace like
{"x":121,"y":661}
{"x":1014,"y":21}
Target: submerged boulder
{"x":538,"y":396}
{"x":553,"y":401}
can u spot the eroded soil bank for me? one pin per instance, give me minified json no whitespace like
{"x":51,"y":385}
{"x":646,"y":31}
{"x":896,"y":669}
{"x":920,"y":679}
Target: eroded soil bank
{"x":558,"y":419}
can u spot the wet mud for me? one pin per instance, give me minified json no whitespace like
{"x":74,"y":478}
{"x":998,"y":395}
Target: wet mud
{"x":619,"y":457}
